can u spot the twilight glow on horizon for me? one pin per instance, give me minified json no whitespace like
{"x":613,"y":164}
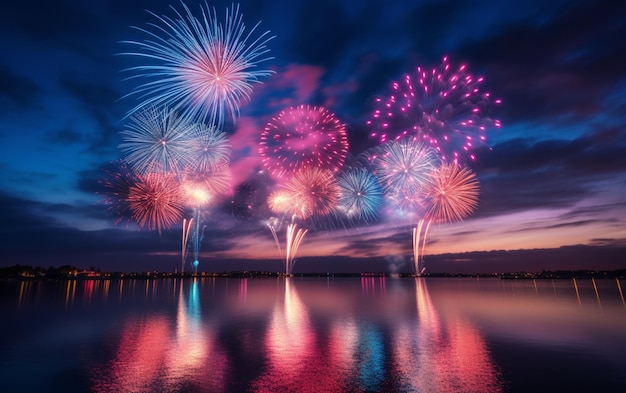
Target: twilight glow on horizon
{"x":528,"y":98}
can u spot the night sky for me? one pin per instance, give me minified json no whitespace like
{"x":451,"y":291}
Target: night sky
{"x":552,"y":181}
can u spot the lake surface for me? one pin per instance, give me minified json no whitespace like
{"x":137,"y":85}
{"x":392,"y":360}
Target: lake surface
{"x":370,"y":334}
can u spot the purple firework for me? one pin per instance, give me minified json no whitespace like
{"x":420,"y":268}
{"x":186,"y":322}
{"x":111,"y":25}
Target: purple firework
{"x":444,"y":107}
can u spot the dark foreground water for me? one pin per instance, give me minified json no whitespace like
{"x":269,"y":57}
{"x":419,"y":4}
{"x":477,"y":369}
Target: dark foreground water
{"x":371,"y":334}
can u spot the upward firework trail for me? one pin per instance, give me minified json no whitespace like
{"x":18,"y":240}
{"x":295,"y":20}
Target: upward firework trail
{"x":445,"y":107}
{"x":199,"y":66}
{"x":294,"y":238}
{"x":451,"y":194}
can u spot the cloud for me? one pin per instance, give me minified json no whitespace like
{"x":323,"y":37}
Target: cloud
{"x":557,"y":71}
{"x":523,"y":174}
{"x":17,"y":91}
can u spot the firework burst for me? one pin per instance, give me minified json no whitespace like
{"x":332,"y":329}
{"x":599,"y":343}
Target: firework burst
{"x":360,"y":194}
{"x":404,"y":165}
{"x":118,"y":181}
{"x":301,"y":137}
{"x":210,"y":183}
{"x":157,"y":139}
{"x":209,"y":148}
{"x":312,"y":191}
{"x":155,"y":201}
{"x":452,"y":192}
{"x":199,"y":66}
{"x":444,"y":107}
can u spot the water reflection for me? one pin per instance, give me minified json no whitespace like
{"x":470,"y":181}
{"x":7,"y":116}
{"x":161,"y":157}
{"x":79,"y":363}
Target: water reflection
{"x":154,"y":355}
{"x":330,"y":335}
{"x":442,"y":356}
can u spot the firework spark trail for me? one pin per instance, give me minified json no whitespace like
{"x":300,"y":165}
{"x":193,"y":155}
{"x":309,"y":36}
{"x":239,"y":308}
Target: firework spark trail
{"x":452,"y":194}
{"x":155,"y":201}
{"x":416,"y":248}
{"x":295,"y":236}
{"x":199,"y":66}
{"x":271,"y":224}
{"x":157,"y":140}
{"x":187,"y":225}
{"x":301,"y":137}
{"x":360,"y":194}
{"x":444,"y":107}
{"x":199,"y":189}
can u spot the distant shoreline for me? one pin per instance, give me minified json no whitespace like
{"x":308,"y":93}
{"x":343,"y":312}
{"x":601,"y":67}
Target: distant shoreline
{"x":22,"y":272}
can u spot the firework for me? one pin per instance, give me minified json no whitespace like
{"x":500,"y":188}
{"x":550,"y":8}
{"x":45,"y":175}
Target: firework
{"x":272,"y":224}
{"x":155,"y":201}
{"x":301,"y":137}
{"x":199,"y":66}
{"x":187,"y":225}
{"x":280,"y":202}
{"x":118,"y":181}
{"x":209,"y":148}
{"x":452,"y":192}
{"x":157,"y":140}
{"x":201,"y":187}
{"x":295,"y":236}
{"x":403,"y":166}
{"x":360,"y":194}
{"x":444,"y":107}
{"x":312,"y":191}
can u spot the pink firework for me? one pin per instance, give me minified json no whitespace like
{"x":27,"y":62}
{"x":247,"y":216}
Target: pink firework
{"x":452,"y":192}
{"x":301,"y":137}
{"x":201,"y":187}
{"x":312,"y":191}
{"x":444,"y":107}
{"x":280,"y":202}
{"x":155,"y":201}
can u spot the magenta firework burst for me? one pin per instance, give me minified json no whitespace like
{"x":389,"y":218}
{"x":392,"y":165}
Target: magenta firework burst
{"x":301,"y":137}
{"x":199,"y":65}
{"x":445,"y":107}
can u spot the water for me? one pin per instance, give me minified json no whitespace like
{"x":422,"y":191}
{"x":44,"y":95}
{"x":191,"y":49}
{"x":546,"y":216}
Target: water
{"x":370,"y":334}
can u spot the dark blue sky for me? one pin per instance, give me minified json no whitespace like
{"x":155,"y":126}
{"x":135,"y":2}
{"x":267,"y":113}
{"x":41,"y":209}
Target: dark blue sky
{"x":556,"y":174}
